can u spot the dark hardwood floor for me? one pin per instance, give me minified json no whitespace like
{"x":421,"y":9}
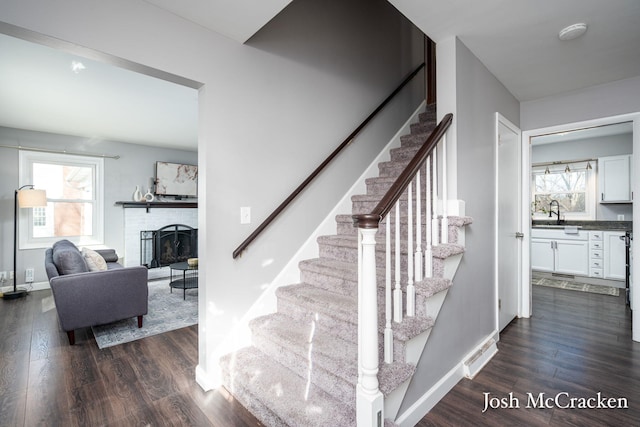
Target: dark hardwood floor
{"x":576,"y":343}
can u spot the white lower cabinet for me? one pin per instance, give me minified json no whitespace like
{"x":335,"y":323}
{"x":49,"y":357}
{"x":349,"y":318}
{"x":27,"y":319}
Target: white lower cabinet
{"x":542,"y":255}
{"x":572,"y":257}
{"x":557,"y":252}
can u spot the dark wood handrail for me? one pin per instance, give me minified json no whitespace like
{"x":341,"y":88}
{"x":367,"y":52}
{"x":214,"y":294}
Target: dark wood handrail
{"x":385,"y":205}
{"x":319,"y":169}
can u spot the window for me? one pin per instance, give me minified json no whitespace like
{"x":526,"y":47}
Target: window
{"x":74,"y":187}
{"x":574,"y":190}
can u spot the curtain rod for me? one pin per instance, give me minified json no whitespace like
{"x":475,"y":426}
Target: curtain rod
{"x":47,"y":150}
{"x":563,"y":162}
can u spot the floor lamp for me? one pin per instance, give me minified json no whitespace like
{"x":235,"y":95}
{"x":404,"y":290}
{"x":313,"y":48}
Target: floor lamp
{"x":25,"y":197}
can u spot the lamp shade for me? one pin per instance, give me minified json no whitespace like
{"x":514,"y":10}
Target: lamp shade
{"x":30,"y":198}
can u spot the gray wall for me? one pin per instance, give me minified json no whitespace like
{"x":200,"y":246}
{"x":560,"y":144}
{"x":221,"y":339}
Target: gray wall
{"x":135,"y":167}
{"x":468,"y":315}
{"x":270,"y":111}
{"x":590,"y":148}
{"x":611,"y":99}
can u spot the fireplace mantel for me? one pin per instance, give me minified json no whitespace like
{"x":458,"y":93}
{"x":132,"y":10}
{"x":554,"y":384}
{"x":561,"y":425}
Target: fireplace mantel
{"x":149,"y":205}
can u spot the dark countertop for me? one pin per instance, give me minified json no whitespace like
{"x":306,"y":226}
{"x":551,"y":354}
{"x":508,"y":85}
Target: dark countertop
{"x":586,"y":225}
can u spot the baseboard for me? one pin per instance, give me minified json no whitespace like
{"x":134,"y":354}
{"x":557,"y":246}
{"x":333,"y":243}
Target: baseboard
{"x":29,"y":287}
{"x":205,"y":381}
{"x":427,"y":401}
{"x":424,"y":404}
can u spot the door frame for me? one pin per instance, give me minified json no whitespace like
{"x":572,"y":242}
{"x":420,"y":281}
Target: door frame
{"x":500,"y":119}
{"x":525,"y":302}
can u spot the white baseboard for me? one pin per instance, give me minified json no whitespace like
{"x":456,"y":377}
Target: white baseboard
{"x":36,"y":286}
{"x":424,"y":404}
{"x":205,"y":381}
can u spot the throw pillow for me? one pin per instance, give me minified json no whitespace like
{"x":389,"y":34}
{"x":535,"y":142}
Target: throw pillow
{"x":94,"y":260}
{"x":69,"y":260}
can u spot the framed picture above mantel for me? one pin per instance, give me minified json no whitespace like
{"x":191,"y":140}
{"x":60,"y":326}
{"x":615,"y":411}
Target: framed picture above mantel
{"x":176,"y":179}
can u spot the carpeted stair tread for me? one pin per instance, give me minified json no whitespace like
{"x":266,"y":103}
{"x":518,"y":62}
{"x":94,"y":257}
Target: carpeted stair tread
{"x":443,"y":250}
{"x":459,"y":221}
{"x":328,"y":352}
{"x":289,"y":397}
{"x":431,"y":286}
{"x":410,"y":327}
{"x":327,"y":303}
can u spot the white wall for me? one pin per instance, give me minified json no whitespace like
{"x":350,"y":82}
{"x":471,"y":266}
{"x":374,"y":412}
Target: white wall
{"x":270,"y":110}
{"x":136,"y":166}
{"x":468,"y":315}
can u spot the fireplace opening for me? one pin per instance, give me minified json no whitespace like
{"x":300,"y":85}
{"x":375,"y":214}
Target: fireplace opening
{"x":167,"y":245}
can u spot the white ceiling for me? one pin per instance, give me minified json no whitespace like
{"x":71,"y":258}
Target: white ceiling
{"x":517,"y":40}
{"x":40,"y":91}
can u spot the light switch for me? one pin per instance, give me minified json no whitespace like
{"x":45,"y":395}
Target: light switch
{"x":245,"y":215}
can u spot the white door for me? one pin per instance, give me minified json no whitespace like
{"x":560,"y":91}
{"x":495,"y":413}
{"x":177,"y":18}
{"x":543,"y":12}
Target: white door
{"x":542,"y":255}
{"x":509,"y":236}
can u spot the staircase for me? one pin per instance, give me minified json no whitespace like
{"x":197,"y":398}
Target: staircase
{"x":302,"y":369}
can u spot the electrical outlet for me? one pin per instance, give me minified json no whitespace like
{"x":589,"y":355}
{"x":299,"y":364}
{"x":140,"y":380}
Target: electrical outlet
{"x":11,"y":275}
{"x":28,"y":275}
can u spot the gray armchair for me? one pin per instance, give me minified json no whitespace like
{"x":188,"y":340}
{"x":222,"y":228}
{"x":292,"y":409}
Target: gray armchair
{"x":86,"y":298}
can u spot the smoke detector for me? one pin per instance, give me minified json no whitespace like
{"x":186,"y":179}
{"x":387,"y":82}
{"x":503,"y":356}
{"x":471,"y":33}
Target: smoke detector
{"x":573,"y":31}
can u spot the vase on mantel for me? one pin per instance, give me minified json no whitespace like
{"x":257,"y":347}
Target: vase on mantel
{"x":137,"y":195}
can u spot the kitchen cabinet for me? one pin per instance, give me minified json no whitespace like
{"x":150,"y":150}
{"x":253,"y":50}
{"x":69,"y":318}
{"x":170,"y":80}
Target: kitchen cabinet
{"x":614,"y":255}
{"x":542,"y":255}
{"x":614,"y":179}
{"x":572,"y":257}
{"x":558,"y":252}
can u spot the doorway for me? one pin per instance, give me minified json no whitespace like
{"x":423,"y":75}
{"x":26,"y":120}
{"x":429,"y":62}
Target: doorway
{"x":572,"y":156}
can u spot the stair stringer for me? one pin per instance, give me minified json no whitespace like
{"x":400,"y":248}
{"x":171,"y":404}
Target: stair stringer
{"x":416,"y":345}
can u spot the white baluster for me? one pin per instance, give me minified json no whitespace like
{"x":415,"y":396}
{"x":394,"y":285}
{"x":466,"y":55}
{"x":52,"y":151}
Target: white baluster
{"x":418,"y":255}
{"x":397,"y":293}
{"x":444,"y":226}
{"x":411,"y":291}
{"x":435,"y":240}
{"x":369,"y":400}
{"x":388,"y":332}
{"x":428,"y":254}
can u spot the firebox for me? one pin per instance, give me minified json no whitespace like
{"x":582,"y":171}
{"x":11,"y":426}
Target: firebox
{"x":167,"y":245}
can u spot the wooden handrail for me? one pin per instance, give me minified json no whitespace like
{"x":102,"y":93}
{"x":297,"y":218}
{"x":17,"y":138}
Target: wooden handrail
{"x":319,"y":169}
{"x":385,"y":205}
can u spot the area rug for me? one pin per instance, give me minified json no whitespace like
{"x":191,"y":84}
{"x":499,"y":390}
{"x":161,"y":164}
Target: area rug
{"x":167,"y":311}
{"x":575,"y":286}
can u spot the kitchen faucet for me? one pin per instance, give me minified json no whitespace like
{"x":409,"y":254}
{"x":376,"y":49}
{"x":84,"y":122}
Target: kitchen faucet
{"x":552,"y":212}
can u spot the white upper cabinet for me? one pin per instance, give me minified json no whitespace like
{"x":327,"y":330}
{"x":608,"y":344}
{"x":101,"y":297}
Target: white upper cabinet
{"x":614,"y":179}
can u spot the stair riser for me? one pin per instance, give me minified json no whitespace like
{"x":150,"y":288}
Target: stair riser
{"x":339,"y":327}
{"x":422,"y":127}
{"x":404,"y":154}
{"x":394,"y":169}
{"x":347,"y":228}
{"x":313,"y":368}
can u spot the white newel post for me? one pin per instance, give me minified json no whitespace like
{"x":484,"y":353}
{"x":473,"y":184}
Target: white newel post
{"x":444,"y":227}
{"x":369,"y":400}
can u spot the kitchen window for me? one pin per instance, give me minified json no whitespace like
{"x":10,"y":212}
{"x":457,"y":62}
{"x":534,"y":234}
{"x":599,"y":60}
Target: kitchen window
{"x":572,"y":185}
{"x":74,"y":186}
